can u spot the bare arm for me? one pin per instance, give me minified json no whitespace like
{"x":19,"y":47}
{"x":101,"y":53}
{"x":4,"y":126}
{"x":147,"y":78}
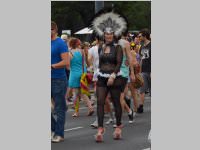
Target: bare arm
{"x":130,"y":61}
{"x":64,"y":62}
{"x":129,"y":56}
{"x":119,"y":59}
{"x":87,"y":59}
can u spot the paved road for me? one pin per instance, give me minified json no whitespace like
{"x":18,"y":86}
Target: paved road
{"x":80,"y":136}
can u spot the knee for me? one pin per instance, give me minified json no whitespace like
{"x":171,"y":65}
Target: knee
{"x":100,"y":102}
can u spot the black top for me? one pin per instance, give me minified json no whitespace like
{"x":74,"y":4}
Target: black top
{"x":145,"y":53}
{"x":110,"y":62}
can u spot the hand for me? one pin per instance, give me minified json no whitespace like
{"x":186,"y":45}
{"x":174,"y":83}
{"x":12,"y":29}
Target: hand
{"x":110,"y":81}
{"x":52,"y":67}
{"x":127,"y":63}
{"x":132,"y":77}
{"x":86,"y":52}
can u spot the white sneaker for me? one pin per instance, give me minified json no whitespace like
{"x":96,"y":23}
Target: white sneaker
{"x":134,"y":114}
{"x":132,"y":117}
{"x":57,"y":139}
{"x":94,"y":124}
{"x":52,"y":135}
{"x":114,"y":125}
{"x":110,"y":120}
{"x":149,"y":136}
{"x":131,"y":121}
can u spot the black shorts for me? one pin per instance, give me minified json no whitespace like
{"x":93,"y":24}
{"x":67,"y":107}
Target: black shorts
{"x":119,"y":82}
{"x":123,"y":84}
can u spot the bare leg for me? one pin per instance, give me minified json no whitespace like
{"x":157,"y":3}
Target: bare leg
{"x":122,"y":101}
{"x":142,"y":95}
{"x":88,"y":103}
{"x":76,"y":101}
{"x":134,"y":95}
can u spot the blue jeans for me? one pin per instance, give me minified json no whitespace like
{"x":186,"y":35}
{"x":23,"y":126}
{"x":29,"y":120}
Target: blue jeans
{"x":58,"y":91}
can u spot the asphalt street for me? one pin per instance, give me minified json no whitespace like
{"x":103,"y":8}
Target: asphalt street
{"x":80,"y":136}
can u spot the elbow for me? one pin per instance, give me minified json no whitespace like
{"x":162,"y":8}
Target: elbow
{"x":67,"y":65}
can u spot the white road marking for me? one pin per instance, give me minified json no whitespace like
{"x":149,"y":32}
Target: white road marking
{"x":66,"y":130}
{"x":147,"y":149}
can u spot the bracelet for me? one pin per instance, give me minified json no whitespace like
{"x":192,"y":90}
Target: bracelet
{"x":113,"y":75}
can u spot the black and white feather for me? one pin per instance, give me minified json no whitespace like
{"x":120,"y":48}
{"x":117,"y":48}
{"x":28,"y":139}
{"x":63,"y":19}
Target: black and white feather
{"x":109,"y":22}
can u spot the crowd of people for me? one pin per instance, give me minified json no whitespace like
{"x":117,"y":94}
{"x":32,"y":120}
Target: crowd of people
{"x":120,"y":65}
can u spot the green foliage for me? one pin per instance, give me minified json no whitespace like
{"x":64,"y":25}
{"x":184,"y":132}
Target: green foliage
{"x":74,"y":15}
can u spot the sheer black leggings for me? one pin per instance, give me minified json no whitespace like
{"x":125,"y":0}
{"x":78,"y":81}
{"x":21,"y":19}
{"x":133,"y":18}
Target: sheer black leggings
{"x":102,"y":91}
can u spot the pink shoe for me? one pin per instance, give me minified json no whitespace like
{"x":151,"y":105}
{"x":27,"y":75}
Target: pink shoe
{"x":99,"y":135}
{"x":117,"y":133}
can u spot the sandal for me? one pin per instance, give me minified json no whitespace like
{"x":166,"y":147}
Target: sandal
{"x":75,"y":115}
{"x":90,"y":113}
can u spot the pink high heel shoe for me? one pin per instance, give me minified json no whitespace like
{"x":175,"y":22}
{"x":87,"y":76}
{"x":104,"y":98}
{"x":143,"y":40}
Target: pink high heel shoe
{"x":99,"y":135}
{"x":117,"y":133}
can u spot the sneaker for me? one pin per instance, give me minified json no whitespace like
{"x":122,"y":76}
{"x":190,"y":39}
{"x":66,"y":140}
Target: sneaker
{"x":52,"y":135}
{"x":130,"y":116}
{"x":134,"y":114}
{"x":57,"y":139}
{"x":128,"y":101}
{"x":140,"y":109}
{"x":70,"y":99}
{"x":70,"y":103}
{"x":110,"y":120}
{"x":94,"y":124}
{"x":149,"y":136}
{"x":114,"y":125}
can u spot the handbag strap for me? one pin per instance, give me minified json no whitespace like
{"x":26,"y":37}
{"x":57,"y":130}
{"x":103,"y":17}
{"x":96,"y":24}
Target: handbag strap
{"x":82,"y":61}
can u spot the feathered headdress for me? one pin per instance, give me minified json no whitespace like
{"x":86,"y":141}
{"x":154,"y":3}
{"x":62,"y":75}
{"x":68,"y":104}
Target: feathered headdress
{"x":109,"y":22}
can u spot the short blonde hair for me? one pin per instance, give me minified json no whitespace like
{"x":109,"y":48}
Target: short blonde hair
{"x":85,"y":44}
{"x":64,"y":37}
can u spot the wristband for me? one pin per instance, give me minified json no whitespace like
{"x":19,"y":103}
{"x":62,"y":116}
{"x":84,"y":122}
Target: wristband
{"x":113,"y":75}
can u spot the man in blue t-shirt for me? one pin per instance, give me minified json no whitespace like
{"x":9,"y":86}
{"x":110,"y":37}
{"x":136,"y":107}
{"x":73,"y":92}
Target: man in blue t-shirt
{"x":59,"y":62}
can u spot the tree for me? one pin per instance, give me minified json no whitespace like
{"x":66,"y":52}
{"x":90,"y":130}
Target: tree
{"x":75,"y":15}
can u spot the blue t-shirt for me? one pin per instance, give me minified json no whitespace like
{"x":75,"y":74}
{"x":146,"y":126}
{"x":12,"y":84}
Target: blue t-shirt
{"x":58,"y":46}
